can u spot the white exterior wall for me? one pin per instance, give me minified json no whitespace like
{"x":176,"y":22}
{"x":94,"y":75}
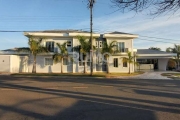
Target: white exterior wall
{"x":5,"y":63}
{"x":162,"y":64}
{"x":120,"y":68}
{"x":42,"y":68}
{"x":14,"y":63}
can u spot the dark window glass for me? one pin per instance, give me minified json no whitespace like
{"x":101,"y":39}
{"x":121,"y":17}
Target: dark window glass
{"x":115,"y":62}
{"x":124,"y":64}
{"x":50,"y":46}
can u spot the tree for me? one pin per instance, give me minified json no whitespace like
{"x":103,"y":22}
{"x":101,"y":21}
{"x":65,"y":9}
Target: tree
{"x":130,"y":60}
{"x":169,"y":49}
{"x":109,"y":49}
{"x":35,"y":48}
{"x":171,"y":64}
{"x":90,"y":6}
{"x":155,"y":48}
{"x":175,"y":49}
{"x":58,"y":57}
{"x":84,"y":48}
{"x":160,"y":6}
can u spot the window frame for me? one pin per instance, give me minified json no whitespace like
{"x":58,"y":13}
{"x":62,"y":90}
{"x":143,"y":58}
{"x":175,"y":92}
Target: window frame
{"x":126,"y":64}
{"x":121,"y":46}
{"x":69,"y":45}
{"x":52,"y":46}
{"x":48,"y":64}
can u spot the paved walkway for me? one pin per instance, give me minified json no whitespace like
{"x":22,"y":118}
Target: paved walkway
{"x":149,"y":75}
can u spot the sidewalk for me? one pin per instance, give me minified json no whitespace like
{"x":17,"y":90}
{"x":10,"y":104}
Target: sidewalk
{"x":149,"y":75}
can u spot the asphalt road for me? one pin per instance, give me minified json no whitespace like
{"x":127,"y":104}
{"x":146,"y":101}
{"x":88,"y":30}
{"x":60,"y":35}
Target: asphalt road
{"x":50,"y":98}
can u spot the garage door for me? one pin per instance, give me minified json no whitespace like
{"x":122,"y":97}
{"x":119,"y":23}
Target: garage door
{"x":4,"y":63}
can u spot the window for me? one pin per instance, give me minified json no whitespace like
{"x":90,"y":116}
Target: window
{"x":115,"y":62}
{"x":68,"y":43}
{"x":121,"y":46}
{"x":124,"y":64}
{"x":50,"y":46}
{"x":48,"y":61}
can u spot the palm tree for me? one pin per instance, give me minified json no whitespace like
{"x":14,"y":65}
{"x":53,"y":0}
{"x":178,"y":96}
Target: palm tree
{"x":35,"y":48}
{"x":130,"y":60}
{"x":58,"y":57}
{"x":108,"y":48}
{"x":84,"y":48}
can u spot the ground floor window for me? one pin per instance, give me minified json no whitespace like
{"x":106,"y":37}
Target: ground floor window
{"x":124,"y":64}
{"x":115,"y":62}
{"x":48,"y":61}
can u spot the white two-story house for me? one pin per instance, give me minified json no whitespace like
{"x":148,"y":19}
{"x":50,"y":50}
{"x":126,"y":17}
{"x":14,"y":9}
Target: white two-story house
{"x":45,"y":62}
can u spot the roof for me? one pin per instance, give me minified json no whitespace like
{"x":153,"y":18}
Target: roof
{"x":149,"y":51}
{"x":154,"y":53}
{"x":13,"y":51}
{"x":63,"y":31}
{"x":116,"y":32}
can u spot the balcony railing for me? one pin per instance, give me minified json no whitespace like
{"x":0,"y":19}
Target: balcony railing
{"x":125,"y":50}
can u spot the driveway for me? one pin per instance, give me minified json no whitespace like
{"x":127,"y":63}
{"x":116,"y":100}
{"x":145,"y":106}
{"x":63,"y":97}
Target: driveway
{"x":149,"y":75}
{"x":47,"y":98}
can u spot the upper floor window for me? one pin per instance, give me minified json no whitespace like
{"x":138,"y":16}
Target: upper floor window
{"x":121,"y":46}
{"x":68,"y":43}
{"x":50,"y":46}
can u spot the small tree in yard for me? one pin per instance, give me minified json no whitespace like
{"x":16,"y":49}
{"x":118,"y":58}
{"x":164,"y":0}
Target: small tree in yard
{"x":58,"y":57}
{"x":108,"y":48}
{"x":35,"y":48}
{"x":130,"y":60}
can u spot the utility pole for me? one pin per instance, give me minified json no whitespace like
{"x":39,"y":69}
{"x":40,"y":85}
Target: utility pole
{"x":91,"y":3}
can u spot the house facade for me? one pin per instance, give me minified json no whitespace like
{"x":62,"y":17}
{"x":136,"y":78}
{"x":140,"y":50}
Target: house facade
{"x":45,"y":62}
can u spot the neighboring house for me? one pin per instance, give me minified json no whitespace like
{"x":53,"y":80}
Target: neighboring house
{"x":153,"y":59}
{"x":12,"y":61}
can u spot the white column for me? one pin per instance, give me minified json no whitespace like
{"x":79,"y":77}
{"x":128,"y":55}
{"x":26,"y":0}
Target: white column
{"x":162,"y":63}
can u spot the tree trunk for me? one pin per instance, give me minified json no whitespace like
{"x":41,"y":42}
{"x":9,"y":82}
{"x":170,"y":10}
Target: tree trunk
{"x":61,"y":65}
{"x":107,"y":65}
{"x":85,"y":65}
{"x":129,"y":68}
{"x":34,"y":65}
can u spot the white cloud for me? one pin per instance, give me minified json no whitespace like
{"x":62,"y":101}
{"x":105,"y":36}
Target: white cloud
{"x":162,"y":26}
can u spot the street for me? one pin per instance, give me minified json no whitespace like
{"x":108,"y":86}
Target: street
{"x":68,"y":98}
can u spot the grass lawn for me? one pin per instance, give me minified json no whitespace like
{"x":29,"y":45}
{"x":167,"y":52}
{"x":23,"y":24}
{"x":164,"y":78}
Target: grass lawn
{"x":99,"y":74}
{"x":172,"y":75}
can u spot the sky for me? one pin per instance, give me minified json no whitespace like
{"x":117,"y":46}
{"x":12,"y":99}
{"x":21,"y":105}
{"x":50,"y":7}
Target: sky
{"x":33,"y":15}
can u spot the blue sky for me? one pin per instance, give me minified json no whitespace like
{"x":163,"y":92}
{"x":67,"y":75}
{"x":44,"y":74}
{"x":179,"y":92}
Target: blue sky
{"x":23,"y":15}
